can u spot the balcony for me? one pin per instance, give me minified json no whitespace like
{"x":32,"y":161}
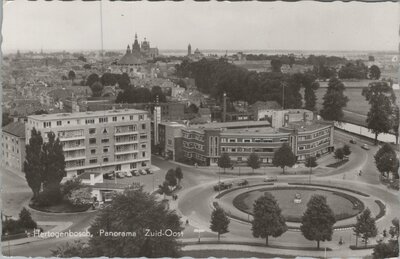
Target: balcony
{"x":78,"y":157}
{"x":73,"y":137}
{"x":127,"y":151}
{"x":71,"y":148}
{"x":122,"y":133}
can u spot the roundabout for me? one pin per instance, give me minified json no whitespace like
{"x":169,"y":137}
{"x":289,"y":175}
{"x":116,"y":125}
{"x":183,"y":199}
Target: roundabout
{"x":293,"y":201}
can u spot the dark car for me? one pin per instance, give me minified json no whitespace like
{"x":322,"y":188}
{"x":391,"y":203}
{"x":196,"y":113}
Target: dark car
{"x":243,"y":183}
{"x":222,"y":186}
{"x":270,"y":179}
{"x":148,"y":171}
{"x":109,"y":176}
{"x":353,"y":141}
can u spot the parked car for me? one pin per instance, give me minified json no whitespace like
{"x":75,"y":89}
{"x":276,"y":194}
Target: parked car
{"x":128,"y":174}
{"x":148,"y":171}
{"x":142,"y":172}
{"x":109,"y":176}
{"x":135,"y":173}
{"x":270,"y":179}
{"x":365,"y":146}
{"x":243,"y":183}
{"x":120,"y":174}
{"x":353,"y":141}
{"x":222,"y":186}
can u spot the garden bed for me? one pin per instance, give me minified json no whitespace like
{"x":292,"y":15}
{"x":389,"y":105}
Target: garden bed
{"x":338,"y":164}
{"x":382,"y":209}
{"x":62,"y":207}
{"x":334,"y":187}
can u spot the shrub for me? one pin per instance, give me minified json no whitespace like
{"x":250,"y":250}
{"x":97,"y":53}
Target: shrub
{"x":71,"y":185}
{"x":82,"y":196}
{"x":49,"y":197}
{"x":12,"y":227}
{"x":382,"y":209}
{"x":25,"y":219}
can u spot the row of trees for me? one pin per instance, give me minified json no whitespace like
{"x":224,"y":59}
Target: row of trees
{"x":141,"y":95}
{"x":97,"y":83}
{"x":283,"y":157}
{"x":341,"y":153}
{"x":44,"y":167}
{"x":215,"y":77}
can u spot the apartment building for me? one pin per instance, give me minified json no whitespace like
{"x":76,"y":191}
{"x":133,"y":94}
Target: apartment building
{"x":13,"y":146}
{"x":204,"y":144}
{"x":99,"y":141}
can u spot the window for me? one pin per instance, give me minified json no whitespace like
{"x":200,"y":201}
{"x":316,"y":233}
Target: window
{"x":143,"y":146}
{"x":68,"y":122}
{"x":78,"y":122}
{"x":58,"y":123}
{"x":114,"y":118}
{"x":131,"y":117}
{"x":47,"y":124}
{"x":144,"y":164}
{"x":89,"y":121}
{"x":143,"y":154}
{"x":93,"y":151}
{"x":143,"y":126}
{"x":105,"y":149}
{"x":132,"y":165}
{"x":143,"y":136}
{"x":93,"y":161}
{"x":141,"y":117}
{"x":92,"y":141}
{"x":169,"y":142}
{"x":92,"y":131}
{"x":105,"y":159}
{"x":123,"y":118}
{"x":104,"y":119}
{"x":105,"y":140}
{"x":105,"y":131}
{"x":118,"y":167}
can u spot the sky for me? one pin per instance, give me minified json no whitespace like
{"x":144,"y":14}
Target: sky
{"x":301,"y":25}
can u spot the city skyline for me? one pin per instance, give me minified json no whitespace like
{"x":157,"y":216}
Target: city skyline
{"x":352,"y":26}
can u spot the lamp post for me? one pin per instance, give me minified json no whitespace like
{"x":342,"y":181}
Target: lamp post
{"x":219,"y":181}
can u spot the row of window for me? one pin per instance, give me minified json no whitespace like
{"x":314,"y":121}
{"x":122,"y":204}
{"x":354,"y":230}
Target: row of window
{"x":193,"y":136}
{"x":314,"y":135}
{"x":47,"y":124}
{"x":193,"y":145}
{"x":314,"y":144}
{"x":12,"y":139}
{"x":246,"y":149}
{"x":194,"y":155}
{"x":252,"y":140}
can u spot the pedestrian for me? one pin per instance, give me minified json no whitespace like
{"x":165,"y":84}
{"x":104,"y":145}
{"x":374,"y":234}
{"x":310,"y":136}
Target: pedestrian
{"x":187,"y":221}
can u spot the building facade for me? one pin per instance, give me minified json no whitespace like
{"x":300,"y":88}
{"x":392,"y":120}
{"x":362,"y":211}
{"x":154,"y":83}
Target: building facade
{"x":205,"y":144}
{"x":13,"y":146}
{"x":99,"y":141}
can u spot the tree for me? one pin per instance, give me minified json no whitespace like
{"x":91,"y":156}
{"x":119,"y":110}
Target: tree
{"x":158,"y":94}
{"x":33,"y":166}
{"x":53,"y":162}
{"x":76,"y":249}
{"x":178,"y":174}
{"x":170,"y":177}
{"x":91,"y":79}
{"x":346,"y":150}
{"x":253,"y":161}
{"x":82,"y":58}
{"x":40,"y":112}
{"x":124,"y":81}
{"x":219,"y":221}
{"x":97,"y":89}
{"x":268,"y":220}
{"x":81,"y":196}
{"x":284,"y":157}
{"x":6,"y":119}
{"x":318,"y":220}
{"x":365,"y":226}
{"x":394,"y":230}
{"x":387,"y":163}
{"x":276,"y":65}
{"x":339,"y":154}
{"x":374,"y":72}
{"x":224,"y":161}
{"x":25,"y":219}
{"x":87,"y":66}
{"x":192,"y":108}
{"x":381,"y":115}
{"x":71,"y":76}
{"x":108,"y":79}
{"x":386,"y":250}
{"x":311,"y":162}
{"x":334,"y":101}
{"x":71,"y":185}
{"x":164,"y":188}
{"x":138,"y":212}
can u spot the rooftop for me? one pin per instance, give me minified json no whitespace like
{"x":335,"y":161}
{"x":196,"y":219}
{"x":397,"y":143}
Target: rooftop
{"x":255,"y":131}
{"x":16,"y":129}
{"x":303,"y":126}
{"x":78,"y":115}
{"x":232,"y":125}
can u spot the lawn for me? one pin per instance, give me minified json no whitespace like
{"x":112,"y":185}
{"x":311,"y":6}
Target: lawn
{"x":229,"y":254}
{"x":341,"y":206}
{"x":62,"y":207}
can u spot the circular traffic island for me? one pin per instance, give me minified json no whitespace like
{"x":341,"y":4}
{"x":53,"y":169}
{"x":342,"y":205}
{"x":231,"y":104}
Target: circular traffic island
{"x":293,"y":201}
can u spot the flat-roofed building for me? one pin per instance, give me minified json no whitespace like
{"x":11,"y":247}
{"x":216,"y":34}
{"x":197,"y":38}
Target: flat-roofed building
{"x":204,"y":144}
{"x":13,"y":146}
{"x":100,"y":141}
{"x":170,"y":139}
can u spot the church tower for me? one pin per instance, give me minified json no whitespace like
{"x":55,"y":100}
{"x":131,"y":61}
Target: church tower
{"x":128,"y":50}
{"x":135,"y":45}
{"x":189,"y":50}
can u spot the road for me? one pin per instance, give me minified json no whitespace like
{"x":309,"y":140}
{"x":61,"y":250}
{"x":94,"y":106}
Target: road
{"x":195,"y":196}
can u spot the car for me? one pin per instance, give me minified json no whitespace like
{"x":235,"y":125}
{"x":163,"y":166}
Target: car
{"x":128,"y":174}
{"x":365,"y":146}
{"x":222,"y":186}
{"x":109,"y":176}
{"x":148,"y":171}
{"x":270,"y":179}
{"x":243,"y":183}
{"x":142,"y":172}
{"x":353,"y":141}
{"x":135,"y":173}
{"x":120,"y":174}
